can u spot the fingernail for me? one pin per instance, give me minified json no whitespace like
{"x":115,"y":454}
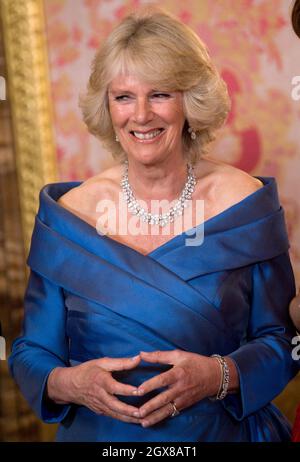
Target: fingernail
{"x":145,"y":423}
{"x":136,"y":414}
{"x":135,"y":392}
{"x":135,"y":357}
{"x":141,"y":391}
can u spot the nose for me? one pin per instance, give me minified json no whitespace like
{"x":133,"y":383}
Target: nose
{"x":143,"y":112}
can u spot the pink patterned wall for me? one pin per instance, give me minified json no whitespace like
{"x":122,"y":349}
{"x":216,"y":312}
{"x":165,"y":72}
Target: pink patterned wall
{"x":254,"y":48}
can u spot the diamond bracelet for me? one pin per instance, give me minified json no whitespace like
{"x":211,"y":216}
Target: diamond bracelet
{"x":224,"y":384}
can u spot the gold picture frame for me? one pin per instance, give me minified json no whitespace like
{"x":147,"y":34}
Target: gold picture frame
{"x":28,"y":85}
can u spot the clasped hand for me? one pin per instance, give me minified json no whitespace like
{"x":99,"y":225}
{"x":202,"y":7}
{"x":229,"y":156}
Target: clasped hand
{"x":192,"y":378}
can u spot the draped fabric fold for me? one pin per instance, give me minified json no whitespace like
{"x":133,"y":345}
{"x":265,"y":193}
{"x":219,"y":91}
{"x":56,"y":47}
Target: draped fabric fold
{"x":90,"y":296}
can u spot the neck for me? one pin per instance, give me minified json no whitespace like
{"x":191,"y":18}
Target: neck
{"x":157,"y":181}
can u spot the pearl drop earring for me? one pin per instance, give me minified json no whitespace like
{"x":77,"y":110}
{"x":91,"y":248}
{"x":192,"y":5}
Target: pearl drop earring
{"x":117,"y":139}
{"x":192,"y":133}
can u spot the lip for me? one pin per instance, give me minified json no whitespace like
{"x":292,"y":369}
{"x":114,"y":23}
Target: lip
{"x":148,"y":131}
{"x":154,"y":140}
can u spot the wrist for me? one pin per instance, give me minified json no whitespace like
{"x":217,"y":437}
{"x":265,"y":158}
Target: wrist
{"x":234,"y":382}
{"x":58,"y":385}
{"x":215,"y":377}
{"x":224,"y":377}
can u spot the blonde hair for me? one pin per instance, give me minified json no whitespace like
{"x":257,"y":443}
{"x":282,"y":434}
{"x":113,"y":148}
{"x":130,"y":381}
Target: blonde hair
{"x":155,"y":46}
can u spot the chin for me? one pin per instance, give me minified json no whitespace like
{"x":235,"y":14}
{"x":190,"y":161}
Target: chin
{"x":147,"y":159}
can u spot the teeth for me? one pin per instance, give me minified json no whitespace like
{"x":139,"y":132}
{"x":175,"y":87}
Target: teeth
{"x":147,"y":136}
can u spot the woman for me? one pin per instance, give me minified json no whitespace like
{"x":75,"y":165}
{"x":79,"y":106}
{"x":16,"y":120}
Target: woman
{"x":139,"y":332}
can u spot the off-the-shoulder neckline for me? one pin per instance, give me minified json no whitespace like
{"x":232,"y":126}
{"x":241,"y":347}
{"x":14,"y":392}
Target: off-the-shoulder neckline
{"x":172,"y":241}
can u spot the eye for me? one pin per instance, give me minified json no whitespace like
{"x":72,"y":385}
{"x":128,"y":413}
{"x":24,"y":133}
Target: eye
{"x":165,"y":95}
{"x":120,"y":98}
{"x":159,"y":95}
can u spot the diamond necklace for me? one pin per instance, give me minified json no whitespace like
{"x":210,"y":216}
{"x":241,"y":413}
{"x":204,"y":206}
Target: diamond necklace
{"x":158,"y":219}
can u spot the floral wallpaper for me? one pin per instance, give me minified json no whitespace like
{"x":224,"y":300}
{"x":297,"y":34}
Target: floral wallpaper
{"x":256,"y":51}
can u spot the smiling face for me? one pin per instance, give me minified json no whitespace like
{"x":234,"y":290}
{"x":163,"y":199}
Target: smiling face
{"x":147,"y":121}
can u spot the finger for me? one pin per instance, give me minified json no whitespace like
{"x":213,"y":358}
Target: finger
{"x":158,"y":402}
{"x":182,"y":401}
{"x":119,"y":364}
{"x":162,"y":380}
{"x":117,"y":388}
{"x":158,"y":416}
{"x":117,"y":406}
{"x":125,"y":418}
{"x":107,"y":411}
{"x":161,"y":357}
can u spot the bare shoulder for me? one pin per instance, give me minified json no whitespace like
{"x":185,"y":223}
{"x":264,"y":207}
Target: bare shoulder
{"x":83,"y":198}
{"x":228,"y":184}
{"x":236,"y":183}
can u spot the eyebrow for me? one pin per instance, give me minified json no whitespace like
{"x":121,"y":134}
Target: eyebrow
{"x":120,"y":90}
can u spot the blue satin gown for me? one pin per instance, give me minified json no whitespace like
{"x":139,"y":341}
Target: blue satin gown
{"x":90,"y":296}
